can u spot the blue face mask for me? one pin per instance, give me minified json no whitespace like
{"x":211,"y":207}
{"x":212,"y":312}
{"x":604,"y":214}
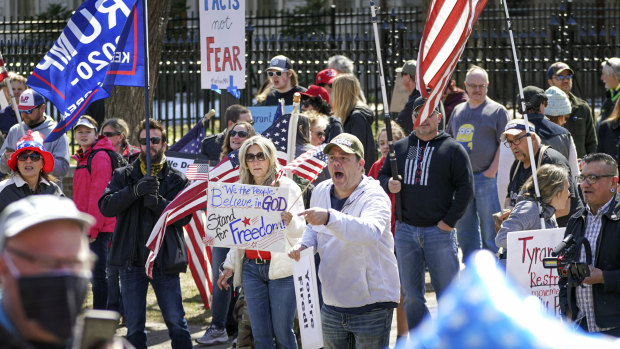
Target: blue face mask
{"x":53,"y":300}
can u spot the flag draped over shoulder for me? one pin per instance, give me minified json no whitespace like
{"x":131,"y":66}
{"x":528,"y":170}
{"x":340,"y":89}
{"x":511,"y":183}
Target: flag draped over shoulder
{"x":448,"y":26}
{"x":101,"y":46}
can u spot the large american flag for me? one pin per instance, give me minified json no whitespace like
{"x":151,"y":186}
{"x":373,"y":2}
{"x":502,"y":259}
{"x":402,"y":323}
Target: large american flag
{"x":448,"y":25}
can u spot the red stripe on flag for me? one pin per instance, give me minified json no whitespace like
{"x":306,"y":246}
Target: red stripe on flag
{"x":48,"y":84}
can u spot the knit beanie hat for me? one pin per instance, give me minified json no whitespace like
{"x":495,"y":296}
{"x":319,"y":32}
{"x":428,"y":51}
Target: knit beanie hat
{"x":557,"y":102}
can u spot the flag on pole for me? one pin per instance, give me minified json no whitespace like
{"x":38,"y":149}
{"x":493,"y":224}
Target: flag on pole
{"x":448,"y":26}
{"x":3,"y":72}
{"x":197,"y":172}
{"x":192,"y":141}
{"x":101,"y":46}
{"x":308,"y":165}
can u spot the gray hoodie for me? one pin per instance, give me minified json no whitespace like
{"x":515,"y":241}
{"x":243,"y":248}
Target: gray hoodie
{"x":524,"y":216}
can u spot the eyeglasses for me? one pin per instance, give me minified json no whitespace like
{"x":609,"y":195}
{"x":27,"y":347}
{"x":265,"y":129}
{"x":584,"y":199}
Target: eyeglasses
{"x":241,"y":134}
{"x":34,"y":156}
{"x":249,"y":157}
{"x":515,"y":141}
{"x":29,"y":111}
{"x":154,"y":140}
{"x":52,"y":264}
{"x":319,"y":134}
{"x":475,"y":87}
{"x":562,"y":77}
{"x":591,"y":179}
{"x":112,"y":134}
{"x":272,"y":73}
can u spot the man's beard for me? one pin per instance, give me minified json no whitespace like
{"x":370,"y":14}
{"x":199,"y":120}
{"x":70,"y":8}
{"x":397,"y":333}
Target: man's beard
{"x":155,"y":159}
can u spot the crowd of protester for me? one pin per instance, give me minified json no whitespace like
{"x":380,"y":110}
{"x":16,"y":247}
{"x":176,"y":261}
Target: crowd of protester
{"x":464,"y":181}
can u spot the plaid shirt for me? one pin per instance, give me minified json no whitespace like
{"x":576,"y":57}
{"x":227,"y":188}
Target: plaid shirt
{"x":585,"y":302}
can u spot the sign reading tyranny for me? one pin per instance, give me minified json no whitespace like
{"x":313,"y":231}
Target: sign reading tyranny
{"x":526,"y":250}
{"x":222,"y":44}
{"x":247,"y":216}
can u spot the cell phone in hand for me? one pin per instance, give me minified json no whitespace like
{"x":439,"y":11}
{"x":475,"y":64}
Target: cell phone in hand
{"x":95,"y":328}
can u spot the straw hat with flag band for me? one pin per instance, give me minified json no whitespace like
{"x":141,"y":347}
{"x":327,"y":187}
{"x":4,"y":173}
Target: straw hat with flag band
{"x":33,"y":141}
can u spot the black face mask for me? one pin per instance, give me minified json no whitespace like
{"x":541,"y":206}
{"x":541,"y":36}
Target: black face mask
{"x":54,"y":301}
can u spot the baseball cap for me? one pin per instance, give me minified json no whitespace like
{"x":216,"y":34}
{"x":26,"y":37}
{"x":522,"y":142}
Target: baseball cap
{"x":36,"y":209}
{"x":533,"y":96}
{"x":420,"y":101}
{"x":84,"y":122}
{"x":280,"y":63}
{"x":515,"y":127}
{"x":408,"y":68}
{"x":557,"y":102}
{"x":348,"y":143}
{"x":326,"y":76}
{"x":317,"y":91}
{"x":557,"y":68}
{"x":30,"y":99}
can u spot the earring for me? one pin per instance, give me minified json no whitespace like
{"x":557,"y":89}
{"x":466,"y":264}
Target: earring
{"x":613,"y":190}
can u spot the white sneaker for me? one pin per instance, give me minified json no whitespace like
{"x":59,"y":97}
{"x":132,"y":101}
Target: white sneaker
{"x":213,"y":336}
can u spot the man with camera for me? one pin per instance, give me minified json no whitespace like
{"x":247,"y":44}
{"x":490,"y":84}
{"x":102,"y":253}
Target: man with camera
{"x":595,"y":304}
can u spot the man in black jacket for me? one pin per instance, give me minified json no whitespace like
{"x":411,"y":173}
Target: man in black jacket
{"x":595,"y":304}
{"x":436,"y":187}
{"x":137,"y":200}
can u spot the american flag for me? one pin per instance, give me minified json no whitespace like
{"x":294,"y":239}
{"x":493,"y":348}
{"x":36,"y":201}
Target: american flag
{"x":448,"y":25}
{"x":3,"y":72}
{"x":308,"y":165}
{"x":191,"y":142}
{"x":197,"y":172}
{"x":278,"y":133}
{"x":227,"y":170}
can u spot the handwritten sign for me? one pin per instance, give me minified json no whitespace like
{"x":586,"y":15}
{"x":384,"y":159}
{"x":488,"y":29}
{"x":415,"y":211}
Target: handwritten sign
{"x":526,"y":250}
{"x":247,"y":216}
{"x":263,"y":116}
{"x":306,"y":292}
{"x":222,"y":44}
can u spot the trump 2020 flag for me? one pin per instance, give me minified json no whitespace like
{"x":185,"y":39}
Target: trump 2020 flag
{"x":101,"y":46}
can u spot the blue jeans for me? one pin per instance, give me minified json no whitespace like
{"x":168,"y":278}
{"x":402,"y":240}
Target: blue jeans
{"x":100,"y":281}
{"x":369,"y":330}
{"x":221,"y":298}
{"x":271,"y":305}
{"x":478,"y":218}
{"x":115,"y":300}
{"x":167,"y":287}
{"x":417,"y":247}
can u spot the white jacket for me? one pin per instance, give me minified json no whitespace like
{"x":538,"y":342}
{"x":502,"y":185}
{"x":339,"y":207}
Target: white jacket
{"x":281,"y":265}
{"x":358,"y":266}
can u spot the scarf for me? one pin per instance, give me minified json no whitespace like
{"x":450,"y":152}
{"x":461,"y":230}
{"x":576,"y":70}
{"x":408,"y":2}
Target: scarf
{"x":155,"y":168}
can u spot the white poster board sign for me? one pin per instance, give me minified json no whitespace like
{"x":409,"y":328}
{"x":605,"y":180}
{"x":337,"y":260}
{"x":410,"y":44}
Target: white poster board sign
{"x":524,"y":264}
{"x":306,"y":292}
{"x":247,"y":216}
{"x":180,"y":161}
{"x":222,"y":44}
{"x":263,"y":116}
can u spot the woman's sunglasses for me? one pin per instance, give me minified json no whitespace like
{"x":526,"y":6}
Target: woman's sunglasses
{"x":249,"y":157}
{"x":34,"y":156}
{"x":112,"y":134}
{"x":276,"y":73}
{"x":241,"y":134}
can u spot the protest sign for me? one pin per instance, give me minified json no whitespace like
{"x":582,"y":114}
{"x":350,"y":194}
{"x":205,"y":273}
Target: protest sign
{"x":180,"y":161}
{"x":222,"y":44}
{"x":524,"y":264}
{"x":247,"y":216}
{"x":263,"y":116}
{"x":306,"y":293}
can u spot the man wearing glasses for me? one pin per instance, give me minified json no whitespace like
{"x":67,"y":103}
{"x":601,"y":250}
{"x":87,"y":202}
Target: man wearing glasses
{"x":515,"y":138}
{"x":137,"y":200}
{"x":580,"y":123}
{"x":32,"y":111}
{"x":283,"y":81}
{"x":595,"y":304}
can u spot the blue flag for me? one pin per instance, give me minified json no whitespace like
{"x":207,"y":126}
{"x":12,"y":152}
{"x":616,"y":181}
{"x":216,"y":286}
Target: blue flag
{"x":101,"y":46}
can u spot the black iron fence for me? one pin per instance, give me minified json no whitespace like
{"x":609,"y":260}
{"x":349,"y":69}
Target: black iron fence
{"x":583,"y":35}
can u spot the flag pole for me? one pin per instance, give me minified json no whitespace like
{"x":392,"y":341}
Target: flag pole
{"x":386,"y":111}
{"x":13,"y":102}
{"x":292,"y":133}
{"x":147,"y":87}
{"x":524,"y":112}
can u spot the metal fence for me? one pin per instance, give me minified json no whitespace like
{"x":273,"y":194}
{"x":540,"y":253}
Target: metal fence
{"x":582,"y":35}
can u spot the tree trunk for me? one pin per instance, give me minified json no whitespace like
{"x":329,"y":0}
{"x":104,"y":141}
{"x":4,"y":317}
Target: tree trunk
{"x":128,"y":102}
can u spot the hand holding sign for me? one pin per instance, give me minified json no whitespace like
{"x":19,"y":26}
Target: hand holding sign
{"x":287,"y":217}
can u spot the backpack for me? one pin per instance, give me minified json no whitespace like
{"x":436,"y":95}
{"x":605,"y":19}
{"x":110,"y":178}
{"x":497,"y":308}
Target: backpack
{"x":116,"y":159}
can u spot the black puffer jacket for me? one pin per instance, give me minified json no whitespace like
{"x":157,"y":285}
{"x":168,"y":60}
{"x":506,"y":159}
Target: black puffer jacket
{"x":359,"y":123}
{"x":134,"y":221}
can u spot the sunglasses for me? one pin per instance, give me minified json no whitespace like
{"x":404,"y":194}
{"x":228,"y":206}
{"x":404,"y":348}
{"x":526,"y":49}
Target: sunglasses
{"x":241,"y":134}
{"x":112,"y":134}
{"x":34,"y":156}
{"x":249,"y":157}
{"x":562,"y":77}
{"x":29,"y":111}
{"x":591,"y":179}
{"x":154,"y":140}
{"x":276,"y":73}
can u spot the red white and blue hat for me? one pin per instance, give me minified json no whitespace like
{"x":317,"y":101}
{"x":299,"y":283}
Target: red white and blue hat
{"x":30,"y":99}
{"x":33,"y":140}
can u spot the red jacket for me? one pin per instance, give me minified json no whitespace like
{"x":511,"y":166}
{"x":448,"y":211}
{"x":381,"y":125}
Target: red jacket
{"x":88,"y":187}
{"x":374,"y":173}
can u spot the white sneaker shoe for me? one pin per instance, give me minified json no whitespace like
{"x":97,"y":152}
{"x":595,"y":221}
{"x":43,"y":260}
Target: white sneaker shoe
{"x":213,"y":336}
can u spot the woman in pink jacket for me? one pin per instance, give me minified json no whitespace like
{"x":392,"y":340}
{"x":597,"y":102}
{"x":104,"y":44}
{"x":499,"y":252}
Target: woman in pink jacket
{"x":88,"y":186}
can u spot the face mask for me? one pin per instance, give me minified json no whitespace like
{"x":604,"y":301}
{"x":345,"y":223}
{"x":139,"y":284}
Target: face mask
{"x":52,"y":300}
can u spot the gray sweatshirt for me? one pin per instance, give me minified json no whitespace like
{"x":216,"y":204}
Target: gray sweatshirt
{"x":524,"y":216}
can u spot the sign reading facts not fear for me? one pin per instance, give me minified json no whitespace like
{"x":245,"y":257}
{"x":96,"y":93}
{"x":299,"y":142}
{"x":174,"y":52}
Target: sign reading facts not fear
{"x":247,"y":216}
